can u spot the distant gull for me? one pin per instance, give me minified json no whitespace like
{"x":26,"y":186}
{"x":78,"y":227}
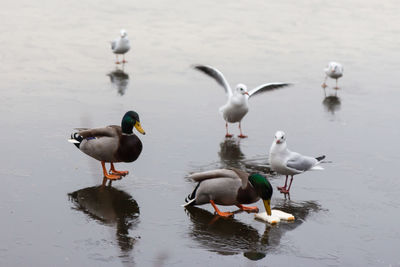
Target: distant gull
{"x":121,"y":46}
{"x":237,"y":105}
{"x":335,"y":71}
{"x":286,"y":162}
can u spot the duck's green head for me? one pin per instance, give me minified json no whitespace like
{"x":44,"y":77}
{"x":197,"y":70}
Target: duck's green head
{"x":263,"y":188}
{"x":130,"y":120}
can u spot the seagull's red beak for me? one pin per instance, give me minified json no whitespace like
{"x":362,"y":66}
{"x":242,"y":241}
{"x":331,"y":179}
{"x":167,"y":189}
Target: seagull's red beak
{"x":278,"y":141}
{"x":246,"y":93}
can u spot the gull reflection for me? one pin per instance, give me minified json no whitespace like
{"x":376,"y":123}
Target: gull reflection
{"x":119,"y":79}
{"x":228,"y":236}
{"x":232,"y":156}
{"x":112,"y":207}
{"x":230,"y":153}
{"x":331,"y":102}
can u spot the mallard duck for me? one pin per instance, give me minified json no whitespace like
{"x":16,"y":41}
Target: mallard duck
{"x":230,"y":187}
{"x":286,"y":162}
{"x":121,"y":45}
{"x":335,"y":71}
{"x":237,"y":105}
{"x":111,"y":144}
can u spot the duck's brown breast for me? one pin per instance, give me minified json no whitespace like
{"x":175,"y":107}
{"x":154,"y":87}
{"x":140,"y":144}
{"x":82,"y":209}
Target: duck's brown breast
{"x":129,"y":148}
{"x":247,"y":195}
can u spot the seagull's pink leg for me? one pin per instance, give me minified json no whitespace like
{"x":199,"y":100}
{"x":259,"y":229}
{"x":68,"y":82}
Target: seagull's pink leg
{"x":280,"y":188}
{"x":336,"y":84}
{"x":287,"y":191}
{"x":241,"y":134}
{"x":324,"y":84}
{"x":123,"y":59}
{"x":227,"y":133}
{"x":116,"y":62}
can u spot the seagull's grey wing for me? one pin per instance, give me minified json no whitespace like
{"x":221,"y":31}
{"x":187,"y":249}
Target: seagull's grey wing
{"x":300,"y":163}
{"x":217,"y":75}
{"x":113,"y":44}
{"x":267,"y":87}
{"x":213,"y":174}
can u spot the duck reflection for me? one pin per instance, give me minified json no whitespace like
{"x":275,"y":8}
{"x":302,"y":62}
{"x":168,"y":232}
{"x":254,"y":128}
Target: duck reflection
{"x":331,"y":102}
{"x":230,"y":236}
{"x":109,"y":206}
{"x":120,"y":80}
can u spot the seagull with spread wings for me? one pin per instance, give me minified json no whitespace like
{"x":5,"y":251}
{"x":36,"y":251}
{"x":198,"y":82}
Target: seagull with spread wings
{"x":237,"y":105}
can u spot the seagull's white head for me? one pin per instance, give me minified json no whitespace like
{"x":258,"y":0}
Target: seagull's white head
{"x":334,"y":67}
{"x":280,"y":137}
{"x":123,"y":33}
{"x":241,"y":89}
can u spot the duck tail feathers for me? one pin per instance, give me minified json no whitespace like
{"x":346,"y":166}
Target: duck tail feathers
{"x":76,"y":139}
{"x":191,"y":198}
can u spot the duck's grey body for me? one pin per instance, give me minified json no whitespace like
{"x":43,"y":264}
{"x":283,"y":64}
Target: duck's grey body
{"x":109,"y":144}
{"x":224,"y":187}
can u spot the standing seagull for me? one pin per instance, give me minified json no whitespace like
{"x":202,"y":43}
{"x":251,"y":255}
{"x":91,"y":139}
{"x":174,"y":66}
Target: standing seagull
{"x":335,"y":71}
{"x":286,"y":162}
{"x":237,"y":105}
{"x":121,"y":46}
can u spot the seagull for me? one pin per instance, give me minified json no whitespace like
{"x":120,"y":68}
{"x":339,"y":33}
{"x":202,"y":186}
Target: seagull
{"x":237,"y":105}
{"x":335,"y":71}
{"x":121,"y":46}
{"x":286,"y":162}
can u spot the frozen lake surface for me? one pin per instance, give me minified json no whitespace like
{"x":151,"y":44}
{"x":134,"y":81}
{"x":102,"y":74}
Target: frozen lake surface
{"x":58,"y":73}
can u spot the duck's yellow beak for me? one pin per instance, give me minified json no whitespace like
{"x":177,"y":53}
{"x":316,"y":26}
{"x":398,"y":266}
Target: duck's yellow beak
{"x":139,"y":128}
{"x":267,"y":205}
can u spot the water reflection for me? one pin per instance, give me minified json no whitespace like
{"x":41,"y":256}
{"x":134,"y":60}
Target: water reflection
{"x":331,"y":102}
{"x":119,"y":79}
{"x":230,"y":236}
{"x":109,"y":206}
{"x":231,"y":155}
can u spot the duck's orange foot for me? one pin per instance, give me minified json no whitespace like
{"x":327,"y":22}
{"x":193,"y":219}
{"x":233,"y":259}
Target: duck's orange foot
{"x":248,"y":209}
{"x":112,"y":176}
{"x":221,"y":213}
{"x":120,"y":173}
{"x":225,"y":214}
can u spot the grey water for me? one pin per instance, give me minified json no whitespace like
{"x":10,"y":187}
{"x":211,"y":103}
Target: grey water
{"x":58,"y":73}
